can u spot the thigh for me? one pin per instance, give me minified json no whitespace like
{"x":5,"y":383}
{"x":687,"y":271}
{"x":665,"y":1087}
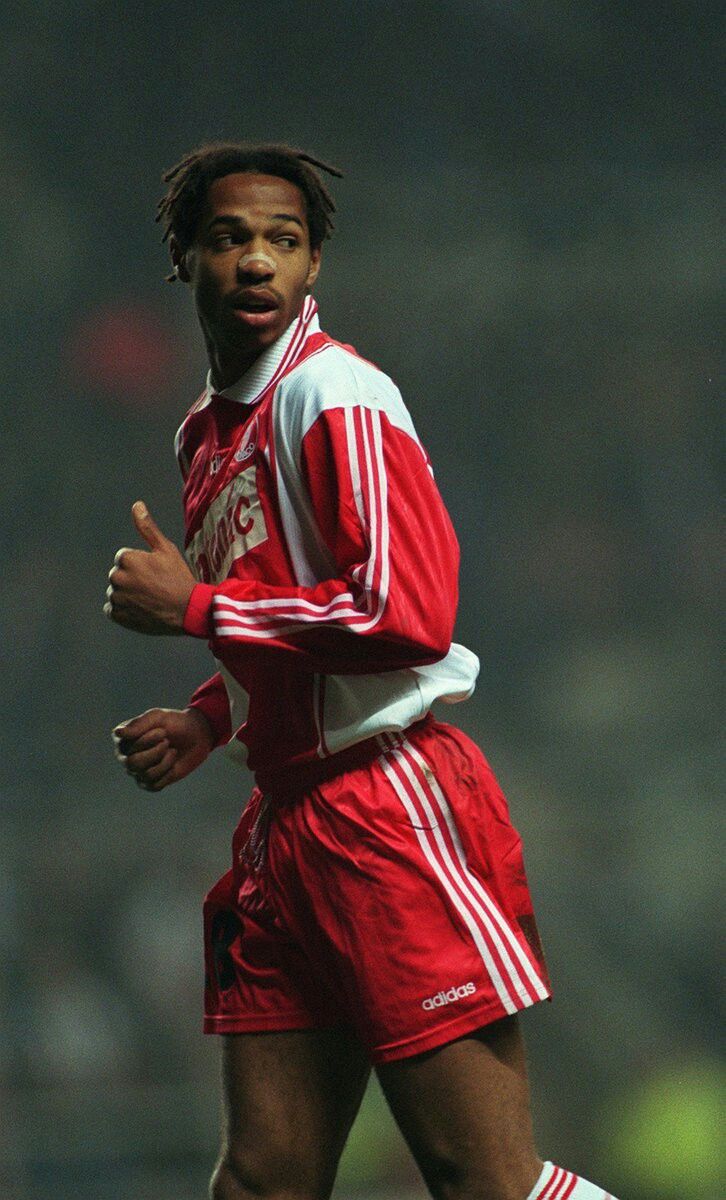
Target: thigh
{"x":464,"y":1111}
{"x":289,"y":1101}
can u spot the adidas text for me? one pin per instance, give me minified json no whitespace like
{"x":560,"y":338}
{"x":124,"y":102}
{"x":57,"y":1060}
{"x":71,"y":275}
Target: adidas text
{"x":454,"y":993}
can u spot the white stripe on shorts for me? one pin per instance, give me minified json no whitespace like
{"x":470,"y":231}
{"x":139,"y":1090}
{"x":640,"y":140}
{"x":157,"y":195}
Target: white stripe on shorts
{"x":487,"y":900}
{"x":404,"y":794}
{"x":425,"y":803}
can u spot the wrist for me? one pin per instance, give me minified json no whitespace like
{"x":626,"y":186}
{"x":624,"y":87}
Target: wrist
{"x":204,"y":724}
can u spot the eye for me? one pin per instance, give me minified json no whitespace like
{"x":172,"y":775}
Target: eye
{"x":288,"y":240}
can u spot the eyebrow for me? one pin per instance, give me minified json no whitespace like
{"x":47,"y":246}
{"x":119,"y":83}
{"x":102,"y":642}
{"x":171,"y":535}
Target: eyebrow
{"x":230,"y":219}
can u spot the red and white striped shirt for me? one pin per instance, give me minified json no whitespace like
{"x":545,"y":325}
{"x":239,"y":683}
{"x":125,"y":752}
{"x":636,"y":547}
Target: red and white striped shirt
{"x":326,"y":559}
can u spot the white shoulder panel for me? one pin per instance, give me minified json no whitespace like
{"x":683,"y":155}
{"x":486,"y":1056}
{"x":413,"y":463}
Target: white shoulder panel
{"x":330,"y":378}
{"x":334,"y":378}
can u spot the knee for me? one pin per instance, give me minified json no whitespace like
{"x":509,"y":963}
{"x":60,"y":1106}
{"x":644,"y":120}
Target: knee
{"x":225,"y":1183}
{"x":235,"y":1178}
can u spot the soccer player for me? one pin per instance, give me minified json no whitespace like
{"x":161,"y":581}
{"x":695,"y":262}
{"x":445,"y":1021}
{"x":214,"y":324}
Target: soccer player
{"x":376,"y":910}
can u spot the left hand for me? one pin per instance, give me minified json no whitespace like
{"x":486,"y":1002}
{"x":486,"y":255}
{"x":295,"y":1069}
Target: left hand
{"x":149,"y":590}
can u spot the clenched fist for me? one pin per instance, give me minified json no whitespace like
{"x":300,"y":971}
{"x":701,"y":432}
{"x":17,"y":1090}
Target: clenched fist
{"x":163,"y":745}
{"x":149,"y":589}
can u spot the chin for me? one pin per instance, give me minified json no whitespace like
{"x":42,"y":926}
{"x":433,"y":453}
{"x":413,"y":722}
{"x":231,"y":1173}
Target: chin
{"x":268,"y":336}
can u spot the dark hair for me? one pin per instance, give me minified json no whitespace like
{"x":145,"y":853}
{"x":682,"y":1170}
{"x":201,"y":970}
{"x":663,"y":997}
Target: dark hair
{"x":190,"y":178}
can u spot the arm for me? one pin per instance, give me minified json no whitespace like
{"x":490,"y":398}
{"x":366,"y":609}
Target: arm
{"x":391,"y":597}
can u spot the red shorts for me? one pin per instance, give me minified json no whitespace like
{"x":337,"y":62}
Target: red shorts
{"x":391,"y":898}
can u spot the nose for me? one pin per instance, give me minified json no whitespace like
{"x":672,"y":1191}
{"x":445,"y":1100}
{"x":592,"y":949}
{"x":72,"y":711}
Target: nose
{"x":256,"y":264}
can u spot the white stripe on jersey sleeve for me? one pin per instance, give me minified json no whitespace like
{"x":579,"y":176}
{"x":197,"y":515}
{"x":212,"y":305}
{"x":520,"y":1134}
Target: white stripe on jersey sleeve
{"x":240,"y":617}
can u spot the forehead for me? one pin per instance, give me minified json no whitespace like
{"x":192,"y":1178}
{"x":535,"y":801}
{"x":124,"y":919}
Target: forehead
{"x":246,"y":195}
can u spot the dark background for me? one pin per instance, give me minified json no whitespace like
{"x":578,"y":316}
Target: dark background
{"x":527,"y":243}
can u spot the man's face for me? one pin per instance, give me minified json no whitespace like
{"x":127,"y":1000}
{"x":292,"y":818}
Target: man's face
{"x":250,"y":264}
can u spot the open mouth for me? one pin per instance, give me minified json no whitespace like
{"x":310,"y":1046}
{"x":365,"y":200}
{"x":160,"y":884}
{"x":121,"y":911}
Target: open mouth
{"x":256,"y":312}
{"x":255,"y":304}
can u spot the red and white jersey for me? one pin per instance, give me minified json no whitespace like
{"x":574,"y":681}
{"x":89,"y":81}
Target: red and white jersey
{"x":327,"y":563}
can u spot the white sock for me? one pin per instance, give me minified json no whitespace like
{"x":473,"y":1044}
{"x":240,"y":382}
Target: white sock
{"x":555,"y":1183}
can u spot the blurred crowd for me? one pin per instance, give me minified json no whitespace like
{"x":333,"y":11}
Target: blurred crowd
{"x":539,"y":275}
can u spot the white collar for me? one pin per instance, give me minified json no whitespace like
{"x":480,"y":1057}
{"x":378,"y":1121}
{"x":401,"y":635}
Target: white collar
{"x":271,"y":363}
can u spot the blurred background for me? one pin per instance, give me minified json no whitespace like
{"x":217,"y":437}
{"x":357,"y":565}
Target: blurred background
{"x":527,"y":243}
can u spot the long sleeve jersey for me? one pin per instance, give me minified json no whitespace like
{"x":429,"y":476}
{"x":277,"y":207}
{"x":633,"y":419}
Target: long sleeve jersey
{"x":327,"y":563}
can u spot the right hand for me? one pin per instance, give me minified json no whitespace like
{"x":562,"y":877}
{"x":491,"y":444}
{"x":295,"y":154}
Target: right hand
{"x":163,"y":745}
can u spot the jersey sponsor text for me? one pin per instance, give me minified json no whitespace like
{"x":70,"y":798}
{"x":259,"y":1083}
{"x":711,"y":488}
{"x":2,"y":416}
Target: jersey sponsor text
{"x":233,"y":524}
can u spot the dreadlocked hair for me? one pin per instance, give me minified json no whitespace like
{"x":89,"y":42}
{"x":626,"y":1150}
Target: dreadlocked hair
{"x":179,"y":209}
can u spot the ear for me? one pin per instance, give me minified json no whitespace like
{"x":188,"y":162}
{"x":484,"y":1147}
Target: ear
{"x":315,"y":257}
{"x":178,"y":260}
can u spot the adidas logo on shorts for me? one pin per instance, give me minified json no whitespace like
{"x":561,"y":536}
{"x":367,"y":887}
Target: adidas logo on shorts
{"x":454,"y":993}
